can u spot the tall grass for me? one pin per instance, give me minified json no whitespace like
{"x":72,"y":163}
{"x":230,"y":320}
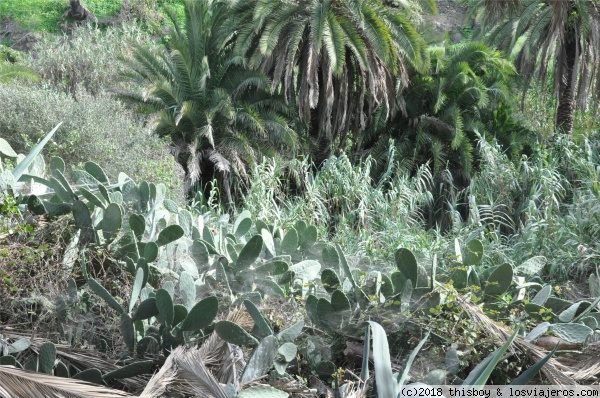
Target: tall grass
{"x":519,"y":209}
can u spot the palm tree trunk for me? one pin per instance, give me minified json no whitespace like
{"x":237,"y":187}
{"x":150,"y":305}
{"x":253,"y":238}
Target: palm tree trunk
{"x":565,"y":108}
{"x":320,"y":140}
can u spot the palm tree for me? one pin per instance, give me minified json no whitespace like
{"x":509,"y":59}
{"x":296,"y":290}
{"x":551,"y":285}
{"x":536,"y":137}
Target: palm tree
{"x":337,"y":61}
{"x":465,"y":94}
{"x":217,"y":114}
{"x":560,"y":38}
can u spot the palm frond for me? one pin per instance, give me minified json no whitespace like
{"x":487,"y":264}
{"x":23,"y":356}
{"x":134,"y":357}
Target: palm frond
{"x":17,"y":383}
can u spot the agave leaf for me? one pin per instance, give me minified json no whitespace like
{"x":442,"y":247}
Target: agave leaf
{"x":479,"y":376}
{"x":410,"y":361}
{"x":25,"y":163}
{"x":386,"y":384}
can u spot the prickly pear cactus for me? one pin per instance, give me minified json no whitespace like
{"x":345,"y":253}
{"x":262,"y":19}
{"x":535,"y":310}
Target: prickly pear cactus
{"x":261,"y":360}
{"x":47,"y":356}
{"x":473,"y":252}
{"x":572,"y":332}
{"x":499,"y":281}
{"x":532,"y":266}
{"x":407,"y":264}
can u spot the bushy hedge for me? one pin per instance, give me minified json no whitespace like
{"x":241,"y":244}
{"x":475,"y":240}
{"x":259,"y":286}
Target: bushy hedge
{"x":95,"y":128}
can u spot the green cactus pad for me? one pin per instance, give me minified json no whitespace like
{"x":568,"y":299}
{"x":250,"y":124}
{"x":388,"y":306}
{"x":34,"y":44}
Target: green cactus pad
{"x":91,"y":375}
{"x":242,"y":224}
{"x":387,"y":286}
{"x":134,"y":369}
{"x":249,"y":253}
{"x":307,"y":269}
{"x":187,"y":289}
{"x":150,"y":252}
{"x":148,"y":345}
{"x":307,"y":238}
{"x":47,"y":356}
{"x":289,"y":244}
{"x":275,"y":266}
{"x":460,"y":278}
{"x":126,"y":245}
{"x":61,"y":370}
{"x":128,"y":331}
{"x":179,"y":314}
{"x":201,"y":315}
{"x":330,"y":280}
{"x":290,"y":334}
{"x":499,"y":281}
{"x":104,"y":294}
{"x":185,"y":222}
{"x":97,"y":172}
{"x":556,"y":304}
{"x":473,"y":279}
{"x":325,"y":369}
{"x":407,"y":264}
{"x":234,"y":334}
{"x":146,"y":310}
{"x":199,"y":253}
{"x":543,"y":295}
{"x":268,"y":241}
{"x":137,"y":223}
{"x":537,"y":331}
{"x":538,"y":312}
{"x":91,"y":197}
{"x":299,"y":226}
{"x":398,"y":281}
{"x":83,"y":221}
{"x":568,"y":314}
{"x":288,"y":351}
{"x":19,"y":345}
{"x":311,"y":308}
{"x":473,"y":253}
{"x":164,"y":303}
{"x":8,"y":360}
{"x":261,"y":360}
{"x":169,"y":234}
{"x":572,"y":332}
{"x":531,"y":267}
{"x":326,"y":315}
{"x":590,"y":322}
{"x":111,"y":223}
{"x":330,"y":257}
{"x":262,"y":391}
{"x":260,"y":322}
{"x":339,"y":301}
{"x":270,"y":288}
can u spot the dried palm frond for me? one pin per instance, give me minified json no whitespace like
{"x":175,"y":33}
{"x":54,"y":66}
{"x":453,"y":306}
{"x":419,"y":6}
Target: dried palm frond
{"x":556,"y":372}
{"x":17,"y":383}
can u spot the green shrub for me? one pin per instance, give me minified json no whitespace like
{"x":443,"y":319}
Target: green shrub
{"x":87,"y":57}
{"x":95,"y":128}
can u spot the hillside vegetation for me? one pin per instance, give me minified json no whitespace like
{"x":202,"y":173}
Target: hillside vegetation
{"x":292,"y":198}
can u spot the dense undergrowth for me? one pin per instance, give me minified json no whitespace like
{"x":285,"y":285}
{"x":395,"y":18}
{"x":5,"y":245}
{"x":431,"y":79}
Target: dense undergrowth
{"x":110,"y":269}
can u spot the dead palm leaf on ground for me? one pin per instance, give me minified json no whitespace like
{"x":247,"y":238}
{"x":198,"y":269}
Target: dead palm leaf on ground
{"x":17,"y":383}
